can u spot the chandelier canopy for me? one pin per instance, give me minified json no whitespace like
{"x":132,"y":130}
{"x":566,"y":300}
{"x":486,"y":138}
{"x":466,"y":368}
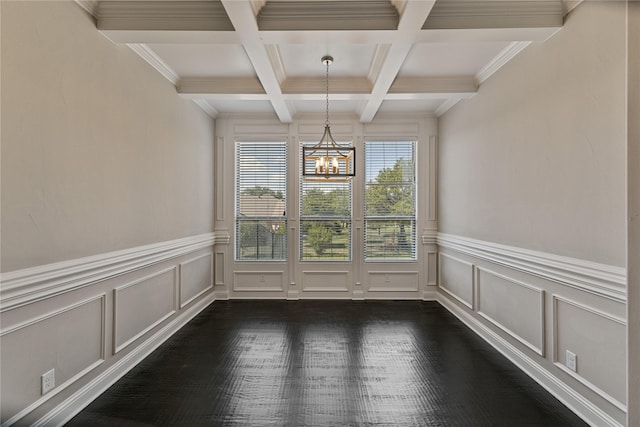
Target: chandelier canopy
{"x":328,"y":161}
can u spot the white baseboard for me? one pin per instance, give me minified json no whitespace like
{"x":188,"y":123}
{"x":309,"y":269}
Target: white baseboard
{"x":565,"y":394}
{"x":83,"y":397}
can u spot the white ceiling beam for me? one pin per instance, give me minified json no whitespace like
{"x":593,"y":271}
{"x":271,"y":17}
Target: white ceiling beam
{"x":242,"y":17}
{"x":414,"y":15}
{"x":171,"y":37}
{"x":313,"y":89}
{"x":220,"y":86}
{"x":432,"y":85}
{"x":525,"y":34}
{"x":318,"y":85}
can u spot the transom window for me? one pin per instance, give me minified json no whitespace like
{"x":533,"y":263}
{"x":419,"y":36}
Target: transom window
{"x":261,"y":195}
{"x":390,"y":201}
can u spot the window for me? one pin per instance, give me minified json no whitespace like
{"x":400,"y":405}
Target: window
{"x":325,"y":221}
{"x":390,"y":201}
{"x":261,"y":186}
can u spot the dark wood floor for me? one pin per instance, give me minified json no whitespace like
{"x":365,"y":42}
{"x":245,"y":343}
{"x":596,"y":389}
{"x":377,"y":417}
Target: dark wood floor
{"x":325,"y":363}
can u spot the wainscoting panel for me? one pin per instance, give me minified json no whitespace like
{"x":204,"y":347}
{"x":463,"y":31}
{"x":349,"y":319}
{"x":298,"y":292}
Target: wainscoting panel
{"x":70,"y":340}
{"x":432,"y":268}
{"x":258,"y":281}
{"x":141,"y":305}
{"x":515,"y":307}
{"x":195,"y":278}
{"x":325,"y":281}
{"x":219,"y":269}
{"x":455,"y":277}
{"x":92,"y":319}
{"x":596,"y":338}
{"x":393,"y":281}
{"x":533,"y":307}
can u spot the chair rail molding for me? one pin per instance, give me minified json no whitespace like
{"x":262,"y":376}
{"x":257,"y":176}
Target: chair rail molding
{"x":21,"y":287}
{"x":599,"y":279}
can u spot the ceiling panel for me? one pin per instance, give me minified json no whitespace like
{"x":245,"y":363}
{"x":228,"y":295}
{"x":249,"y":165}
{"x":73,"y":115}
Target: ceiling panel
{"x":199,"y":60}
{"x":335,"y":107}
{"x":423,"y":59}
{"x":305,"y":60}
{"x":450,"y":59}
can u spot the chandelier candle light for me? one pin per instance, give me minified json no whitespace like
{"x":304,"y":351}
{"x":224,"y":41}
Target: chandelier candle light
{"x":327,"y":161}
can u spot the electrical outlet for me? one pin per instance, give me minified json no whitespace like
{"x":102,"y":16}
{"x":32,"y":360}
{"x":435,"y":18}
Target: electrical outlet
{"x":572,"y":361}
{"x":48,"y":381}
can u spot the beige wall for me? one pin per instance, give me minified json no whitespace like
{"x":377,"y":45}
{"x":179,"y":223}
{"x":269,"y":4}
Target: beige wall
{"x":98,"y":151}
{"x":537,"y":158}
{"x":633,"y":153}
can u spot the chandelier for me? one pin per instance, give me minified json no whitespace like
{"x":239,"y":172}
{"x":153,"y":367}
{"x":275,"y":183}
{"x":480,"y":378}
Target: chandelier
{"x":327,"y":161}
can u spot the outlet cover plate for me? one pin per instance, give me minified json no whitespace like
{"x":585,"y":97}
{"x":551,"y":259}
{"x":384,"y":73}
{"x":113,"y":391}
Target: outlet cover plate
{"x":572,"y":361}
{"x":48,"y":380}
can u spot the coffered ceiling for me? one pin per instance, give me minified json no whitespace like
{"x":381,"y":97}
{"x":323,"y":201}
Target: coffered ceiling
{"x":259,"y":56}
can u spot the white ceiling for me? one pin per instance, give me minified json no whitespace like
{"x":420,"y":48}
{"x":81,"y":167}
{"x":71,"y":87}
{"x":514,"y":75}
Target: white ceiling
{"x":257,"y":56}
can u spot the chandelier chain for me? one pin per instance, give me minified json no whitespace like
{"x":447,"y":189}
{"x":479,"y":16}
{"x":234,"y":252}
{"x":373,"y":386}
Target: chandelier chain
{"x":327,"y":92}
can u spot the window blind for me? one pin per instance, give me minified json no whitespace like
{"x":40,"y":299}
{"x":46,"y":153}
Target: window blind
{"x":260,"y":200}
{"x":325,"y":220}
{"x":390,"y":201}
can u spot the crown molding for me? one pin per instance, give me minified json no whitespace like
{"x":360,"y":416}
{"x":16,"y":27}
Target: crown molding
{"x":256,"y":5}
{"x":155,"y":61}
{"x":446,"y":106}
{"x":399,"y":5}
{"x":91,"y":6}
{"x":506,"y":55}
{"x":569,"y":5}
{"x":207,"y":108}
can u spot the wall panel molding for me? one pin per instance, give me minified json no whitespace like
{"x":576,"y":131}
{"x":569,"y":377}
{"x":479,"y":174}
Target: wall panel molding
{"x":140,"y":308}
{"x":446,"y":285}
{"x":562,"y":391}
{"x":80,"y":399}
{"x":538,"y":299}
{"x":206,"y":282}
{"x":21,"y":287}
{"x":393,"y":281}
{"x":599,"y":279}
{"x":557,"y":300}
{"x":314,"y":281}
{"x":91,"y":365}
{"x":258,"y":281}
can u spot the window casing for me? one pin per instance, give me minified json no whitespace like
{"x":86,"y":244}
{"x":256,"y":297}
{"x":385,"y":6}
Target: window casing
{"x":390,"y":201}
{"x":260,"y":201}
{"x":325,"y":220}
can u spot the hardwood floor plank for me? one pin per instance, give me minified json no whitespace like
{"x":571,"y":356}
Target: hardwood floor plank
{"x":326,"y":363}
